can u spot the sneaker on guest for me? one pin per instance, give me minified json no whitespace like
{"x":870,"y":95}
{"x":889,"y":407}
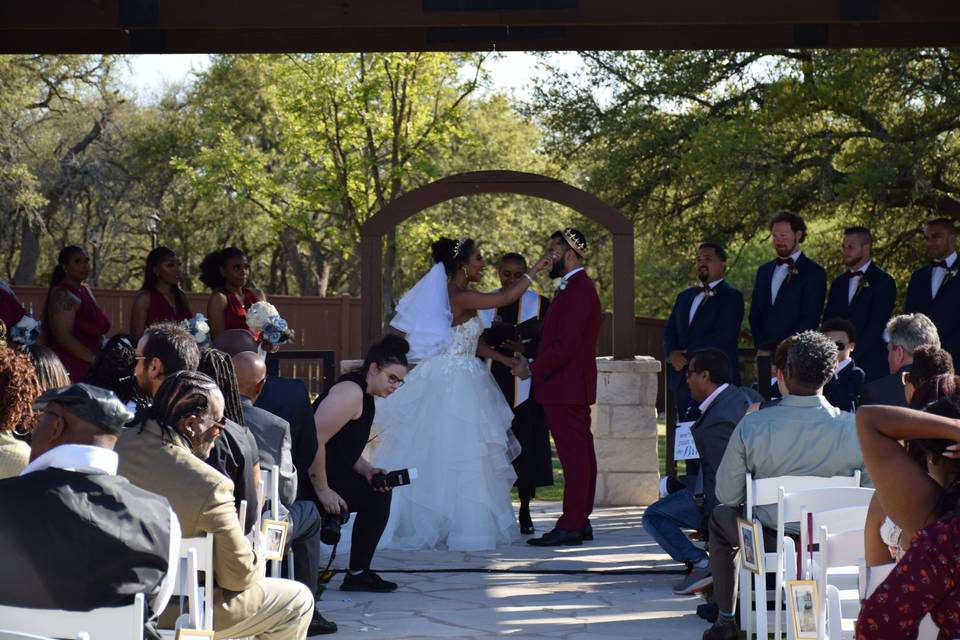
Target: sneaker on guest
{"x":320,"y":626}
{"x":698,"y":579}
{"x":366,"y":581}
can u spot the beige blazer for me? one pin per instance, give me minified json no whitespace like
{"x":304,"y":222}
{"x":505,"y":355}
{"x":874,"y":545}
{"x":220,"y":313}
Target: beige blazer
{"x":202,"y":498}
{"x":14,"y":455}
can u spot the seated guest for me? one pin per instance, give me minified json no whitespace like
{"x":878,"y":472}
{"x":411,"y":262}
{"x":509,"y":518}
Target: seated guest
{"x":722,"y":405}
{"x":227,"y":273}
{"x":843,"y":390}
{"x":113,"y":369}
{"x":18,"y":389}
{"x":92,"y":539}
{"x":161,"y":351}
{"x":235,"y":453}
{"x":340,"y":478}
{"x":160,"y":298}
{"x":927,"y":579}
{"x":163,"y":451}
{"x":928,"y":363}
{"x":904,"y":334}
{"x":73,"y":324}
{"x":273,"y":441}
{"x":801,"y":436}
{"x":777,"y":385}
{"x":49,"y":369}
{"x":883,"y":535}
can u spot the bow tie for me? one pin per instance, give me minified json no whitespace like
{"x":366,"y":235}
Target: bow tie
{"x":941,"y":263}
{"x":855,"y":274}
{"x":785,"y":261}
{"x":704,"y":289}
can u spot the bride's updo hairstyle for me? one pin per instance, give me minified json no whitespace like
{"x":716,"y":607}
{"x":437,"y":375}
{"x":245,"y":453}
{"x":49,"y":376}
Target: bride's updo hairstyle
{"x":452,"y":253}
{"x":392,"y":349}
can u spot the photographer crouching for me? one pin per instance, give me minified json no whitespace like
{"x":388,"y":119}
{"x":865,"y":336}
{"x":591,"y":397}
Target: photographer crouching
{"x":341,"y":480}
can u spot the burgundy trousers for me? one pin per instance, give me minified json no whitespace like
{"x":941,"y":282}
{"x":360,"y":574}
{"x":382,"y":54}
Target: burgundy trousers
{"x":570,"y":426}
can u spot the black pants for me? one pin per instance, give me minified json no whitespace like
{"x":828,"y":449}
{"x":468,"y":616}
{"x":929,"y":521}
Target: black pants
{"x":373,"y":511}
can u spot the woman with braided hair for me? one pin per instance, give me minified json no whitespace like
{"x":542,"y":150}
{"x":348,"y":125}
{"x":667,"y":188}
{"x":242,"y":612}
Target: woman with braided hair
{"x":235,"y":453}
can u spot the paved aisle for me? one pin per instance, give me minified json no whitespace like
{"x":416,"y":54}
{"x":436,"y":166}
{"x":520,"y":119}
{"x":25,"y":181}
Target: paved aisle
{"x":512,"y":592}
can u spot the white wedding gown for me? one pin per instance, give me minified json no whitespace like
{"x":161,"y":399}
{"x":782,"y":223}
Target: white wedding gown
{"x":450,"y":422}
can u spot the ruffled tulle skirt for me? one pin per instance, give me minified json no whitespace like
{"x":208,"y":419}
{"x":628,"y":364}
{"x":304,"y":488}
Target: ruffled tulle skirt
{"x":451,"y":423}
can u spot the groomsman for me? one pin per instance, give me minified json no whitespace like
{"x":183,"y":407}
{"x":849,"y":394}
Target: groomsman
{"x":934,"y":290}
{"x":788,"y":292}
{"x":865,"y":295}
{"x":705,"y":316}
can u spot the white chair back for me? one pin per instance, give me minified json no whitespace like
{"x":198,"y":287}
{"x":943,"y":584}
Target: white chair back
{"x":14,"y":635}
{"x":273,"y":507}
{"x":838,"y":551}
{"x":107,"y":623}
{"x":839,"y":509}
{"x":201,"y":551}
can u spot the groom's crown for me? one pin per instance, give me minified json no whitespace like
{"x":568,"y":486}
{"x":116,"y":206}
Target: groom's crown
{"x":576,"y":241}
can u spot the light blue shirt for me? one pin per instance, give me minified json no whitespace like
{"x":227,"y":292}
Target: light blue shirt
{"x":800,"y":436}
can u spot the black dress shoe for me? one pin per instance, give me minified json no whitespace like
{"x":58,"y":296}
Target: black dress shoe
{"x":557,"y":538}
{"x":367,"y":581}
{"x":587,"y":532}
{"x":320,"y":626}
{"x":722,"y":631}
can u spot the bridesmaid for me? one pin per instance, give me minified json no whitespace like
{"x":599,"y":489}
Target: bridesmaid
{"x":227,"y":272}
{"x":160,"y":298}
{"x":73,"y":324}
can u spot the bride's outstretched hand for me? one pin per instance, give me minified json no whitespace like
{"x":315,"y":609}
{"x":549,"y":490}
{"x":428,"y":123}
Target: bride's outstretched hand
{"x":542,"y":264}
{"x":520,"y":368}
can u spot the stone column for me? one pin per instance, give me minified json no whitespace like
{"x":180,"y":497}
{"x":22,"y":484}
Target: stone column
{"x":625,"y":431}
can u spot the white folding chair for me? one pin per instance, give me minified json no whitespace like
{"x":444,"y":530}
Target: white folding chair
{"x":838,"y":553}
{"x":271,"y":480}
{"x":873,"y":577}
{"x":107,"y":623}
{"x":199,"y":551}
{"x":14,"y":635}
{"x":843,"y":511}
{"x":766,"y":491}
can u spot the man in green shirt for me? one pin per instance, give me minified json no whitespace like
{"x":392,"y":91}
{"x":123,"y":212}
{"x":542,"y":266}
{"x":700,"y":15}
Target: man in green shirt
{"x":803,"y":435}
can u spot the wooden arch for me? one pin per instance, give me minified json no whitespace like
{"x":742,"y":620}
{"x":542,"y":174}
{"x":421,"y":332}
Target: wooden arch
{"x":527,"y":184}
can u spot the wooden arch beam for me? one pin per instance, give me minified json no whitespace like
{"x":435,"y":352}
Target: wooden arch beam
{"x":527,"y":184}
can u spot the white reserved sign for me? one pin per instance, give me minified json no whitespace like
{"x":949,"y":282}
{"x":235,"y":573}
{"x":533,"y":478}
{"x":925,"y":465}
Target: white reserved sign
{"x":684,"y":448}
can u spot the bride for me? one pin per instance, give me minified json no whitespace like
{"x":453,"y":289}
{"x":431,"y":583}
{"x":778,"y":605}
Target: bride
{"x":450,"y":421}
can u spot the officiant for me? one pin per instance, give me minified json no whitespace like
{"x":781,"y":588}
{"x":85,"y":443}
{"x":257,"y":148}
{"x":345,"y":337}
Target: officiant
{"x":515,"y":328}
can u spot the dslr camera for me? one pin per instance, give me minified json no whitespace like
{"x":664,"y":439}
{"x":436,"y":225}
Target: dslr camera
{"x":330,"y":524}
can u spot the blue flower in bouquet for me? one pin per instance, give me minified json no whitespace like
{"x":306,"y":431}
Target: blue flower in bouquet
{"x":25,"y":332}
{"x":276,"y":331}
{"x":198,"y":327}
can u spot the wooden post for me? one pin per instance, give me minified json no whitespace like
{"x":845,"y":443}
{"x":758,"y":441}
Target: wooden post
{"x":371,"y":290}
{"x":624,"y":331}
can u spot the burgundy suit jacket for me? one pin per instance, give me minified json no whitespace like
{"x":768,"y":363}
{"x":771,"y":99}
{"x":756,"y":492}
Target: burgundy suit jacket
{"x":565,"y":368}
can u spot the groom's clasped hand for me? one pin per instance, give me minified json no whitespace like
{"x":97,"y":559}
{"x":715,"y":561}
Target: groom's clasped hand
{"x":521,"y":367}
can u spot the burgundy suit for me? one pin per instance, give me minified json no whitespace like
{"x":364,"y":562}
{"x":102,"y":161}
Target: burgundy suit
{"x":565,"y":383}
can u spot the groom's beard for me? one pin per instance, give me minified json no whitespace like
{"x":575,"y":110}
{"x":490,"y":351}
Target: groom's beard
{"x":556,"y":271}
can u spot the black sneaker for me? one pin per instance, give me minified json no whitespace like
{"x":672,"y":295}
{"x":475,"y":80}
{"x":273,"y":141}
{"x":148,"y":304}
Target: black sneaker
{"x":320,"y":626}
{"x":367,"y":581}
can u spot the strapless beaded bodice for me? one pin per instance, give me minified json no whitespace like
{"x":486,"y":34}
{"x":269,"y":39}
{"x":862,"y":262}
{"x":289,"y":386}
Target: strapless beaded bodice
{"x":465,"y":337}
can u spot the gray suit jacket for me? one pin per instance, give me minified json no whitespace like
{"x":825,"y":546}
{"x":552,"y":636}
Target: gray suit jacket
{"x":273,"y":440}
{"x":711,"y":432}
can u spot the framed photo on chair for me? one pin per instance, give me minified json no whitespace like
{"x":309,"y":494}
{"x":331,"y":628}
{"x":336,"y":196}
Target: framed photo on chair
{"x":193,"y":634}
{"x":274,"y":538}
{"x":802,"y":604}
{"x":751,"y":545}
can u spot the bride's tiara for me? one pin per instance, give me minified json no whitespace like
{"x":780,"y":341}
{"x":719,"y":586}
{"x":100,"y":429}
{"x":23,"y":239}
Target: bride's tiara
{"x":456,"y":248}
{"x":578,"y":245}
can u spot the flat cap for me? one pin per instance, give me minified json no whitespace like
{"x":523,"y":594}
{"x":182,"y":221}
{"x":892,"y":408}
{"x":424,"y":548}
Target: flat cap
{"x":97,"y":406}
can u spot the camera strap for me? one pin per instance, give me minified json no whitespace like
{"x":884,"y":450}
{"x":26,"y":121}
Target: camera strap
{"x":327,"y":574}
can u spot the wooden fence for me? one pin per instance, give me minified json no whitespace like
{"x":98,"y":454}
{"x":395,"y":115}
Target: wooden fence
{"x":330,"y":324}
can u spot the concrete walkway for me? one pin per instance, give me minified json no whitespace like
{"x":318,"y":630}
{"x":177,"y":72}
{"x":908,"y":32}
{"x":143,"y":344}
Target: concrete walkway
{"x":618,"y":586}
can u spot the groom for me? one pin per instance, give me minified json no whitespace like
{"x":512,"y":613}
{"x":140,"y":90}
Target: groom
{"x":565,"y":383}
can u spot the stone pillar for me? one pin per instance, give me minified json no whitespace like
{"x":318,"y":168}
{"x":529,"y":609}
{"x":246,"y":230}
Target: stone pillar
{"x":625,"y":431}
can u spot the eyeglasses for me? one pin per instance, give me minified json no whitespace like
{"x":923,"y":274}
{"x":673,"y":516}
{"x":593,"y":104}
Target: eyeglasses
{"x":394,"y":380}
{"x":904,"y":377}
{"x":840,"y":346}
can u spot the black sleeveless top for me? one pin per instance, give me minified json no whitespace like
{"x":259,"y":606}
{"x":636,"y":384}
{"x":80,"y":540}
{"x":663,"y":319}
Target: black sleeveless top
{"x":344,"y":448}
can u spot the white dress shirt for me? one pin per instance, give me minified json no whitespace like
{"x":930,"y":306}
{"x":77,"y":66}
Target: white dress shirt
{"x":699,"y":298}
{"x":710,"y":398}
{"x":938,"y":274}
{"x":854,"y":283}
{"x":840,"y":365}
{"x":571,"y":274}
{"x":94,"y":460}
{"x":780,"y":274}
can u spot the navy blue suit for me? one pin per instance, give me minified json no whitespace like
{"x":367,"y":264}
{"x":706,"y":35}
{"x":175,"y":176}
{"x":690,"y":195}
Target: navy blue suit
{"x":798,"y":305}
{"x":943,"y":309}
{"x":869,"y":312}
{"x":716,"y":324}
{"x":843,"y":390}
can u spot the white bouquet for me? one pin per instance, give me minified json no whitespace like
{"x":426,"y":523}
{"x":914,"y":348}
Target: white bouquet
{"x":198,"y":327}
{"x":25,"y":332}
{"x":264,"y":318}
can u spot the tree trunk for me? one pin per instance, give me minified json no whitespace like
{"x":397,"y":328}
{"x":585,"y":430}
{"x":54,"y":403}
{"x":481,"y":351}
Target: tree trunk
{"x":321,"y":267}
{"x":29,"y":256}
{"x":306,"y":278}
